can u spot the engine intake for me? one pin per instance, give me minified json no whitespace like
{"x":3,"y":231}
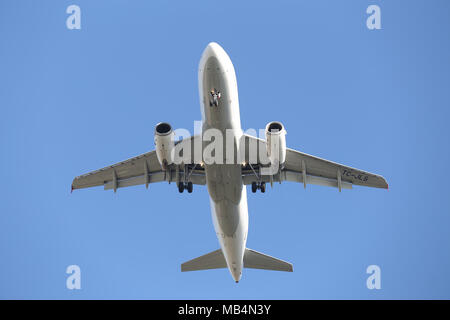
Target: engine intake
{"x":276,"y":142}
{"x":164,"y":142}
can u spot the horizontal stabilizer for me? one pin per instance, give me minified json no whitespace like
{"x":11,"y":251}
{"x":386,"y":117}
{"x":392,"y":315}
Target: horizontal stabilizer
{"x":212,"y":260}
{"x":256,"y":260}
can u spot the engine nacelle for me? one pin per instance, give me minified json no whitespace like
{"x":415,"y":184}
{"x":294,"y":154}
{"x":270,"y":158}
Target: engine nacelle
{"x":164,"y":142}
{"x":276,"y":142}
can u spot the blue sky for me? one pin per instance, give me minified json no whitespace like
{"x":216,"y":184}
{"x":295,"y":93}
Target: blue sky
{"x":76,"y":100}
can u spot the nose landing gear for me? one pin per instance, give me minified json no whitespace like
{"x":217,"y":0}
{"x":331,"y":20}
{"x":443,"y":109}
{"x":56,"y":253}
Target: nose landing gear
{"x":215,"y":96}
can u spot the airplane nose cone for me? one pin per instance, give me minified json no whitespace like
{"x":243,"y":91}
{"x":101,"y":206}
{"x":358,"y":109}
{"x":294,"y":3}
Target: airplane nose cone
{"x":216,"y":55}
{"x":214,"y":46}
{"x":213,"y":49}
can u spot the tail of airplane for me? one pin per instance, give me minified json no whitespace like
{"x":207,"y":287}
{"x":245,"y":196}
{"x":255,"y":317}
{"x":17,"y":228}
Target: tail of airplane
{"x":252,"y":260}
{"x":256,"y":260}
{"x":212,"y":260}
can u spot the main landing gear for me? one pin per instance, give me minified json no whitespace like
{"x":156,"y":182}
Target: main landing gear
{"x":258,"y":185}
{"x":188,"y":186}
{"x":185,"y":183}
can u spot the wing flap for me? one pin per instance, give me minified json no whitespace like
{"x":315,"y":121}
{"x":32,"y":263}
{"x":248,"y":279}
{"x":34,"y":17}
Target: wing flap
{"x":292,"y":176}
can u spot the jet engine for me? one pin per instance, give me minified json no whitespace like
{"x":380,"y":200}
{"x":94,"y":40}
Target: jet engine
{"x":164,"y":142}
{"x":276,"y":142}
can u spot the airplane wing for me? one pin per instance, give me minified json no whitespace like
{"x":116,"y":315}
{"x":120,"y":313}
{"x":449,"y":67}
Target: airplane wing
{"x":307,"y":169}
{"x":143,"y":169}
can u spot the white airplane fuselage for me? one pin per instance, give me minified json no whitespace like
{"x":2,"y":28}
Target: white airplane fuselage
{"x":226,"y":160}
{"x":228,"y":195}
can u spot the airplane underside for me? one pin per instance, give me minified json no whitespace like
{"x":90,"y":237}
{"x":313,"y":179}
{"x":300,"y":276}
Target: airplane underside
{"x":260,"y":161}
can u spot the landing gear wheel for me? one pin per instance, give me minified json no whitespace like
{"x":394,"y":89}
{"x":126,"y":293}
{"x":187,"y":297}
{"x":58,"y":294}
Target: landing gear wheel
{"x":190,"y":187}
{"x":181,"y":187}
{"x":262,"y":187}
{"x":254,"y":187}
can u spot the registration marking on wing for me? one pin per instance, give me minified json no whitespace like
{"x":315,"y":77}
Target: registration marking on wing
{"x":360,"y":177}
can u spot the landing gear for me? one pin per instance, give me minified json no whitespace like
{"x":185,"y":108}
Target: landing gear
{"x":184,"y":183}
{"x":188,"y":186}
{"x":261,"y":185}
{"x":258,"y":185}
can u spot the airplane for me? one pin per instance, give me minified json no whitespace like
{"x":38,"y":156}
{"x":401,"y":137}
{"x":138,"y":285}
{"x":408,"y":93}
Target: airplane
{"x":226,"y":182}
